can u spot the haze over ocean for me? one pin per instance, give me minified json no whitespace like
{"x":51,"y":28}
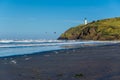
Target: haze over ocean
{"x":39,"y":19}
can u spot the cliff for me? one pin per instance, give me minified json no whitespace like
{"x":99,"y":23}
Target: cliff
{"x":106,"y":29}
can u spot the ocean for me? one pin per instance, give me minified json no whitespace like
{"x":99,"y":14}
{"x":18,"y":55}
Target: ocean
{"x":21,"y":47}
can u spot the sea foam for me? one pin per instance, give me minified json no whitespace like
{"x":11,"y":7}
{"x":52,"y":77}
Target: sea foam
{"x":20,"y":47}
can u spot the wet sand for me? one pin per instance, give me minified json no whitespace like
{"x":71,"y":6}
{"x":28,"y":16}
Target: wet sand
{"x":90,"y":63}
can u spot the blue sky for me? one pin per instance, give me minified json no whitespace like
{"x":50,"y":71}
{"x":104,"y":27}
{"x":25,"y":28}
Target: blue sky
{"x":33,"y":18}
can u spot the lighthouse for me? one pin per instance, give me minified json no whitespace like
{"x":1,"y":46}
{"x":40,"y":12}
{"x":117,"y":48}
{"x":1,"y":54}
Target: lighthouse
{"x":85,"y":21}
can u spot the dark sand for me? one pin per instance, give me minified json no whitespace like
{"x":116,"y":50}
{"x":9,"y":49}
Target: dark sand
{"x":90,"y":63}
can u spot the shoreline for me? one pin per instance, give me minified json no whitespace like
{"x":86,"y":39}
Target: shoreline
{"x":44,"y":52}
{"x":88,"y":63}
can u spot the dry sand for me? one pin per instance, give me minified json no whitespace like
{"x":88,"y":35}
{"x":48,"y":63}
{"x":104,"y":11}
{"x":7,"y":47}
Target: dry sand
{"x":90,"y":63}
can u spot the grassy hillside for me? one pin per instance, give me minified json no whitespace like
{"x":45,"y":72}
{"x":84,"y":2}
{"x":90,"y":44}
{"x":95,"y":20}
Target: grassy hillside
{"x":107,"y":29}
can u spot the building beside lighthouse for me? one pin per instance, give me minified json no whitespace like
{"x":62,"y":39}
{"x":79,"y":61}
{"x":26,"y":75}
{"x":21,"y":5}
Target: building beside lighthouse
{"x":85,"y":21}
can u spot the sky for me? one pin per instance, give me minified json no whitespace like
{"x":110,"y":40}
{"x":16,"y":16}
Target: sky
{"x":39,"y":19}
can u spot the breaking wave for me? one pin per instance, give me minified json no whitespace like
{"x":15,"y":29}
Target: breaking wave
{"x":20,"y":47}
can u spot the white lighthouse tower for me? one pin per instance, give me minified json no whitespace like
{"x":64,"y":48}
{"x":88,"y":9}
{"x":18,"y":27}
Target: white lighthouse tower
{"x":85,"y":21}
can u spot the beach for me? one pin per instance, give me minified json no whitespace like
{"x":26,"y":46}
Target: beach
{"x":85,"y":63}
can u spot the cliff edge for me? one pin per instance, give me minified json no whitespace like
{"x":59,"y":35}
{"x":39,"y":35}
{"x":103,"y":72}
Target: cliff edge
{"x":106,"y":29}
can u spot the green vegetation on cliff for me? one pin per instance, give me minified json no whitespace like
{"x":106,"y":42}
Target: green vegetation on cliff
{"x":107,"y":29}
